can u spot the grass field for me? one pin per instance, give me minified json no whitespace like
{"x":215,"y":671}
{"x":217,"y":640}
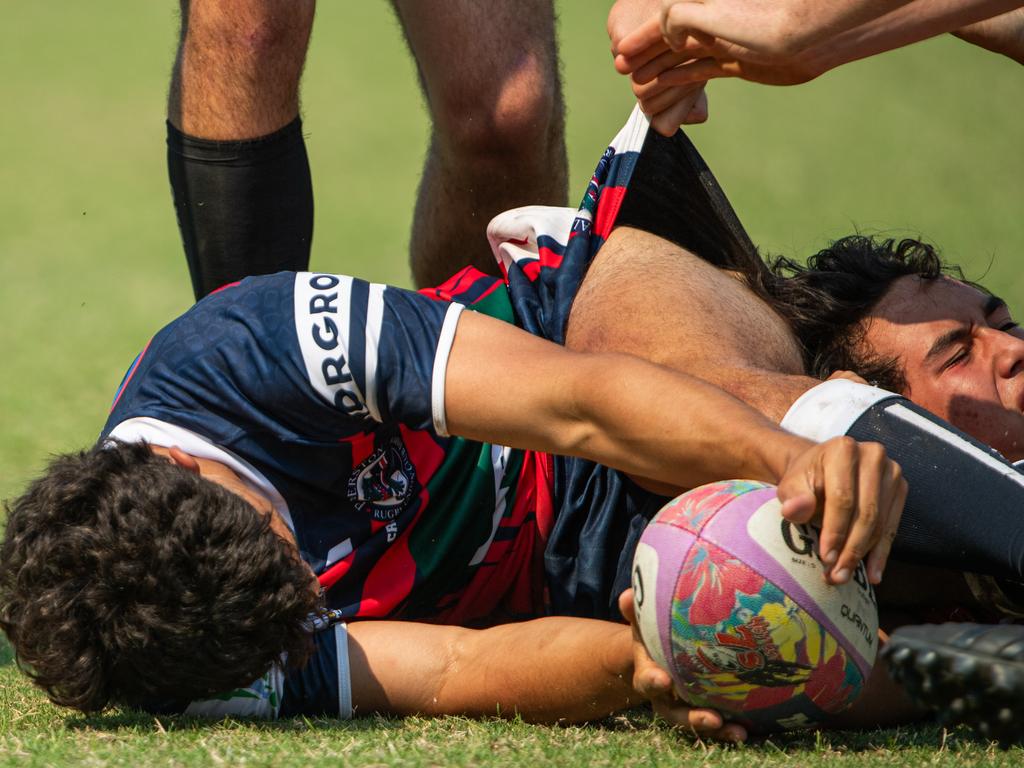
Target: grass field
{"x":925,"y":140}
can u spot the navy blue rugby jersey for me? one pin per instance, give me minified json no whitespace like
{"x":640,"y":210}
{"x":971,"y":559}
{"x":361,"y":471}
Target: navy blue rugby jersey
{"x":326,"y":393}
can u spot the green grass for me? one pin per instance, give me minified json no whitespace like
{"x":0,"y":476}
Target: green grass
{"x":926,"y":140}
{"x":34,"y":733}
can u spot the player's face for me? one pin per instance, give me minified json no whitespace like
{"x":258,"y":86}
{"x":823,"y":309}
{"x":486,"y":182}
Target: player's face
{"x":962,"y":356}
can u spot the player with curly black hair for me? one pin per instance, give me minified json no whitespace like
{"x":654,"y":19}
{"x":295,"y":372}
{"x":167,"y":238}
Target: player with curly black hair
{"x":113,"y":586}
{"x":296,"y":431}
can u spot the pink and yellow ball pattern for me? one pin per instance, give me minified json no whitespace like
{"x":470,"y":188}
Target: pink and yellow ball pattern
{"x":731,"y":599}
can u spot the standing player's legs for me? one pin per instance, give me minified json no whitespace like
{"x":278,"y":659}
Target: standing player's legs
{"x":489,"y":72}
{"x":236,"y":157}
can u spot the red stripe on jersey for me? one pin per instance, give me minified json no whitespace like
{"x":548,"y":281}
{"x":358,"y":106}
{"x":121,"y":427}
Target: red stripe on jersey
{"x":495,"y":286}
{"x":510,"y":579}
{"x":454,"y":285}
{"x":361,"y":447}
{"x":548,"y":258}
{"x":530,"y":268}
{"x":128,"y":376}
{"x":462,"y":287}
{"x":544,"y":482}
{"x":393,"y":576}
{"x":224,"y":287}
{"x":333,"y":575}
{"x":608,"y":210}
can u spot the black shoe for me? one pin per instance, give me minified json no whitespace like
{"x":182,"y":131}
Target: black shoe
{"x":970,"y":673}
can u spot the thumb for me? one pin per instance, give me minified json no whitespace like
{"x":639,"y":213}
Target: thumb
{"x":799,"y":490}
{"x":626,"y":607}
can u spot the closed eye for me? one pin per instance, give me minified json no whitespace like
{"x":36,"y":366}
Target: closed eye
{"x":958,"y":358}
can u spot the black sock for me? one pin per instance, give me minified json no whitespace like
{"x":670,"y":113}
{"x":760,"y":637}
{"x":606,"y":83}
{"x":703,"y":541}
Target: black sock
{"x":243,"y":207}
{"x":965,"y":508}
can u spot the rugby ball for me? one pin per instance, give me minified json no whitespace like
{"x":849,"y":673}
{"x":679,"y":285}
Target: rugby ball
{"x":732,"y":600}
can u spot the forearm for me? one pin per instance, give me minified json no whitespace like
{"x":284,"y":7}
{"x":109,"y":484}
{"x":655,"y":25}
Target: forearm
{"x":803,"y":23}
{"x":910,"y":23}
{"x":1001,"y":34}
{"x":700,"y":433}
{"x":547,"y":670}
{"x":507,"y":387}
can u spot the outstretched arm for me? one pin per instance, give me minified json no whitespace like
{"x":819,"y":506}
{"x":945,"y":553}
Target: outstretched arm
{"x":1001,"y":34}
{"x":508,"y":387}
{"x":548,"y":670}
{"x":555,"y":669}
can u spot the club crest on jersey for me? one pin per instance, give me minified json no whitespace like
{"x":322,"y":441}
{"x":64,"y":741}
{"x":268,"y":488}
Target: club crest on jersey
{"x":383,"y":483}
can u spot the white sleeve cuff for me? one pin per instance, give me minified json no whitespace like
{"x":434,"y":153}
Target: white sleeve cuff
{"x":344,"y":672}
{"x":444,"y":349}
{"x":831,"y":408}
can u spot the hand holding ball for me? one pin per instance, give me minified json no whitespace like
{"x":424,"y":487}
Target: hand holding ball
{"x":731,"y":599}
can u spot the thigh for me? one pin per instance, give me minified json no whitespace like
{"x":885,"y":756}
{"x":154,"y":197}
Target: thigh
{"x":468,"y":50}
{"x":647,"y":296}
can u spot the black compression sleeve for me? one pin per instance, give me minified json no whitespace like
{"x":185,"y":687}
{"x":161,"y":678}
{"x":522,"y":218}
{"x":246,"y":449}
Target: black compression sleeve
{"x":243,"y":207}
{"x":965,"y":509}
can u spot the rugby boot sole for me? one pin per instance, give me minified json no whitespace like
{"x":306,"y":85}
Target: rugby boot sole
{"x":969,"y":673}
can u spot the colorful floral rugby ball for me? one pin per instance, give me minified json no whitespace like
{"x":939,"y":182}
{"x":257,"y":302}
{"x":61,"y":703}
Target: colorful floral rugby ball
{"x":731,"y":599}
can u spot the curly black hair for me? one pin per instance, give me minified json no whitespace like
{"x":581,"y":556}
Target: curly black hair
{"x":826,"y":301}
{"x":126,"y":579}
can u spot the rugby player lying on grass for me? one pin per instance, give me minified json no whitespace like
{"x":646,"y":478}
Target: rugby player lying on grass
{"x":589,"y":540}
{"x":677,"y":263}
{"x":292,"y":432}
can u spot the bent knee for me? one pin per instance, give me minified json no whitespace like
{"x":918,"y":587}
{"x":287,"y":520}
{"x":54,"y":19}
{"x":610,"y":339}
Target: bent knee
{"x":251,"y":32}
{"x":504,"y":116}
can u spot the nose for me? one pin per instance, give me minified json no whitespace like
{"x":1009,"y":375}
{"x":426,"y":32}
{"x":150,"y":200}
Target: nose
{"x":1008,"y":353}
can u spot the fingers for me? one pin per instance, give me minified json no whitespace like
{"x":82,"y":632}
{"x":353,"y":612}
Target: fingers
{"x":840,"y":465}
{"x":875,"y":516}
{"x":649,"y":680}
{"x":860,"y":494}
{"x":669,"y":108}
{"x":703,"y":723}
{"x":802,"y":486}
{"x":699,"y":113}
{"x":655,"y":684}
{"x":880,"y":553}
{"x":626,"y":607}
{"x":658,"y":65}
{"x":636,"y":46}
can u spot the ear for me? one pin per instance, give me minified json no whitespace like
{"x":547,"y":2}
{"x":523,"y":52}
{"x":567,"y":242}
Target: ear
{"x":183,"y":460}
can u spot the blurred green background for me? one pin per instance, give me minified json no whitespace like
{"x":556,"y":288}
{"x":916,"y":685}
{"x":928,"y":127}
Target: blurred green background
{"x":926,"y":140}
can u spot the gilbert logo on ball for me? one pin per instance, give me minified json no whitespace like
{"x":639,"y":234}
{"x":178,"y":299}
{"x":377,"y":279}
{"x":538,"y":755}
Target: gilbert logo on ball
{"x":731,"y":599}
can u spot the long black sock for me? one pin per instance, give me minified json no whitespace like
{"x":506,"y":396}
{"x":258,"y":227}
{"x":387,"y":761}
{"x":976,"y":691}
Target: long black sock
{"x":965,"y":508}
{"x":243,"y":207}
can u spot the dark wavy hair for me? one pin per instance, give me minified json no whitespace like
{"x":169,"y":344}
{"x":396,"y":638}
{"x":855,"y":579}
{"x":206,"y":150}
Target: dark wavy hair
{"x":827,"y":301}
{"x":125,"y":579}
